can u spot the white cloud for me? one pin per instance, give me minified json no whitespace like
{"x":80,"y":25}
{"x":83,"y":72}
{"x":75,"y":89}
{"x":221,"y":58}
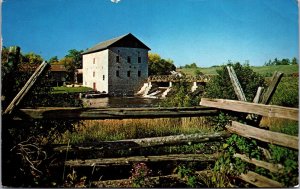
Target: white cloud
{"x":115,"y":1}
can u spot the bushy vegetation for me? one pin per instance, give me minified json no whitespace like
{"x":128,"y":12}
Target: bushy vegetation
{"x":24,"y":162}
{"x":227,"y":165}
{"x":159,"y":66}
{"x":287,"y":93}
{"x":221,"y":87}
{"x":181,"y":96}
{"x":284,"y":61}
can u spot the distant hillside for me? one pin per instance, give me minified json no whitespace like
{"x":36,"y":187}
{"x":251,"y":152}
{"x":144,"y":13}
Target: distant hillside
{"x":263,"y":70}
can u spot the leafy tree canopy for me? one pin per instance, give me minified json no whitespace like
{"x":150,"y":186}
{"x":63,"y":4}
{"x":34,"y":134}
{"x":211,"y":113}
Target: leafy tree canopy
{"x":53,"y":60}
{"x":221,"y":87}
{"x":284,"y":61}
{"x":32,"y":58}
{"x":159,"y":66}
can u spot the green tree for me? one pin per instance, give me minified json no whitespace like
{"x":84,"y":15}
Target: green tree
{"x":159,"y":66}
{"x":193,"y":65}
{"x":72,"y":61}
{"x":221,"y":87}
{"x":32,"y":58}
{"x":76,"y":57}
{"x":285,"y":61}
{"x":53,"y":60}
{"x":68,"y":62}
{"x":294,"y":61}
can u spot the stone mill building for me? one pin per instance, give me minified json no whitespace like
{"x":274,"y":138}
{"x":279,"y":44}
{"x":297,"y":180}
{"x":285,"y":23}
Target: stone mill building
{"x":118,"y":66}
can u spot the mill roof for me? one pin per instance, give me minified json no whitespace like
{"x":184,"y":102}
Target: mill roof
{"x":127,"y":40}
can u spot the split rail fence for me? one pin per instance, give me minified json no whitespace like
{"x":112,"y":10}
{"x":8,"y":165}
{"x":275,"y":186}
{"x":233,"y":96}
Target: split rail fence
{"x":209,"y":107}
{"x":263,"y":135}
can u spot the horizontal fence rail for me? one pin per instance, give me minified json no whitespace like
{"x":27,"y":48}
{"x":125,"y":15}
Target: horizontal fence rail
{"x":263,"y":135}
{"x":137,"y":159}
{"x":248,"y":107}
{"x":259,"y":181}
{"x":144,"y":142}
{"x":112,"y":113}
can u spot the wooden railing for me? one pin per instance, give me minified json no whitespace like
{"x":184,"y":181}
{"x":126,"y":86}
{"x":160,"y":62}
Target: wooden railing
{"x":12,"y":112}
{"x":263,"y":135}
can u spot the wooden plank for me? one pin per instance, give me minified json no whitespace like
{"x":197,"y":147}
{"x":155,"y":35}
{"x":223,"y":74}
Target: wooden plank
{"x":256,"y":99}
{"x":145,"y":142}
{"x":112,"y":113}
{"x":275,"y":168}
{"x":26,"y":88}
{"x":263,"y":135}
{"x":272,"y":88}
{"x":258,"y":94}
{"x":259,"y":181}
{"x":248,"y":107}
{"x":236,"y":84}
{"x":135,"y":159}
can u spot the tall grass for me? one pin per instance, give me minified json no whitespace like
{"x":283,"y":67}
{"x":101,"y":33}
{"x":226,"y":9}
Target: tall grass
{"x":110,"y":130}
{"x":280,"y":125}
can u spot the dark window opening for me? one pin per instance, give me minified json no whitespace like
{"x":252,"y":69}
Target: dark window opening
{"x":103,"y":77}
{"x":139,"y":73}
{"x":128,"y":59}
{"x":93,"y":74}
{"x":117,"y":73}
{"x":139,"y":59}
{"x":128,"y":73}
{"x":117,"y":59}
{"x":94,"y":60}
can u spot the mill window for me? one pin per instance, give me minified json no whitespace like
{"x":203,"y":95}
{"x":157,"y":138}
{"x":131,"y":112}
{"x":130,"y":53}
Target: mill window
{"x":117,"y":73}
{"x":128,"y":73}
{"x":128,"y":59}
{"x":94,"y":60}
{"x":139,"y":73}
{"x":139,"y":58}
{"x":118,"y":57}
{"x":103,"y":77}
{"x":93,"y":74}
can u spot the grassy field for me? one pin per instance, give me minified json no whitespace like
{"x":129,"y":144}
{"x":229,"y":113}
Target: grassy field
{"x":263,"y":70}
{"x":70,"y":89}
{"x":110,"y":130}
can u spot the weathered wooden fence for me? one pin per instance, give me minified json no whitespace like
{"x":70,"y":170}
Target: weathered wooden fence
{"x":210,"y":109}
{"x":258,"y":134}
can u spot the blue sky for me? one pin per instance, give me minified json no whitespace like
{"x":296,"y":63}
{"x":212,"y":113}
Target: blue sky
{"x":207,"y":32}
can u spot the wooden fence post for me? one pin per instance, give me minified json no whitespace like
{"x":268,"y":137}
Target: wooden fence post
{"x":28,"y":85}
{"x":236,"y":84}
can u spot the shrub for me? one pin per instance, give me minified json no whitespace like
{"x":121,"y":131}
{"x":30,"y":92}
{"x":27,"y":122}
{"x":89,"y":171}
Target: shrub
{"x":286,"y":93}
{"x":221,"y":87}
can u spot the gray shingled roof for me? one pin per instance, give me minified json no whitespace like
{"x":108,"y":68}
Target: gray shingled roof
{"x":108,"y":43}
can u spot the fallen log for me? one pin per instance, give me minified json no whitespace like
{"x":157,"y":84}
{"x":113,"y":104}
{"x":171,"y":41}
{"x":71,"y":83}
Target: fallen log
{"x":146,"y":142}
{"x":135,"y":159}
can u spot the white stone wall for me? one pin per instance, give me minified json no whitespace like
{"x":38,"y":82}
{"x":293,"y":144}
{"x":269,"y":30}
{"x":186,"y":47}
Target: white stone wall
{"x":122,"y":84}
{"x":105,"y":64}
{"x":95,"y":67}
